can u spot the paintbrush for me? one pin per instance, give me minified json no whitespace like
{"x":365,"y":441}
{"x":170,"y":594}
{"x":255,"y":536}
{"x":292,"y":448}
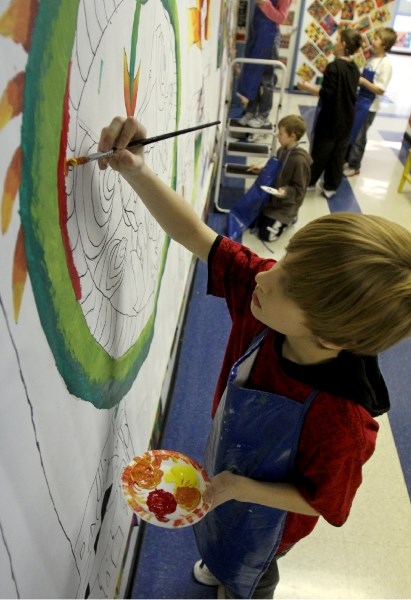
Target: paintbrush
{"x":82,"y":160}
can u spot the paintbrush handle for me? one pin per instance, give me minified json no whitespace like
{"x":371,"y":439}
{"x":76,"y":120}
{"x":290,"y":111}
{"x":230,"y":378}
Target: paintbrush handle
{"x":82,"y":160}
{"x":166,"y":136}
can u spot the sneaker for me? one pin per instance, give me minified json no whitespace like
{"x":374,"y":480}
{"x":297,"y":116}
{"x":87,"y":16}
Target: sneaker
{"x":328,"y":193}
{"x":276,"y":229}
{"x":203,"y":575}
{"x":350,"y":171}
{"x":258,"y":122}
{"x":244,"y":120}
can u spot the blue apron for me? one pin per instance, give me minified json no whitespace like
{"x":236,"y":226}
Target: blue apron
{"x":362,"y":105}
{"x":254,"y":434}
{"x":259,"y":45}
{"x":249,"y":206}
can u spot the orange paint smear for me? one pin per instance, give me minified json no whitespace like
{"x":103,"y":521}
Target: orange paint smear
{"x":11,"y":101}
{"x":194,"y":27}
{"x":17,"y":21}
{"x":11,"y":187}
{"x":19,"y":273}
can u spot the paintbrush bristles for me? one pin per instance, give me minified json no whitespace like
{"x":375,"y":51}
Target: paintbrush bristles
{"x":74,"y":162}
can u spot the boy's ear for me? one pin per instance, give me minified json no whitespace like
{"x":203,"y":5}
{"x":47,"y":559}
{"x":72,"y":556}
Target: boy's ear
{"x":329,"y":345}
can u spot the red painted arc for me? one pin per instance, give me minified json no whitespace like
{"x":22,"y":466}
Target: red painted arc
{"x":62,"y":195}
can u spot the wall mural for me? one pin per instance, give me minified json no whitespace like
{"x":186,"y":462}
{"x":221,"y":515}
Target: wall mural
{"x":90,"y":288}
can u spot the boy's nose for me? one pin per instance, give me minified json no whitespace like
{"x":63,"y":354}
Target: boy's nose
{"x":261,"y":280}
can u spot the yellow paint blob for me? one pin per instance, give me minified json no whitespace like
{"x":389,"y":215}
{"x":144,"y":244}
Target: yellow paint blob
{"x":182,"y":475}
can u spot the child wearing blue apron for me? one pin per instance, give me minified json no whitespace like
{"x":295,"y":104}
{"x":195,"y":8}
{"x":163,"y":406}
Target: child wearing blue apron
{"x":300,"y":384}
{"x":373,"y":83}
{"x":271,"y":413}
{"x":256,"y":85}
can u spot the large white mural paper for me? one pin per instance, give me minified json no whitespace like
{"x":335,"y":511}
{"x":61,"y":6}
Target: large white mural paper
{"x":90,"y":287}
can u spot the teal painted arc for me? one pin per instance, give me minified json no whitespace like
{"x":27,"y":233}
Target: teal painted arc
{"x":41,"y":137}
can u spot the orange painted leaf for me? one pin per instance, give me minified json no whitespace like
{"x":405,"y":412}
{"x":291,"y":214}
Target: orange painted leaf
{"x":11,"y":187}
{"x":126,"y":82}
{"x":130,"y":87}
{"x":11,"y":101}
{"x":17,"y":21}
{"x":19,"y":273}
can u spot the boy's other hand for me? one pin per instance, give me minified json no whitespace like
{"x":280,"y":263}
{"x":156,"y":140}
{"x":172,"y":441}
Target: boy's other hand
{"x":220,"y":489}
{"x":119,"y":134}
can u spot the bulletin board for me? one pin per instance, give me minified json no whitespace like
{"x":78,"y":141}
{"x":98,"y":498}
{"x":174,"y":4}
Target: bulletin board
{"x":288,"y":37}
{"x":319,"y":22}
{"x":91,"y":289}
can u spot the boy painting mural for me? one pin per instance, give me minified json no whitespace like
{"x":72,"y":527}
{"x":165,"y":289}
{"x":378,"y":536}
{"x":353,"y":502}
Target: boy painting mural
{"x":294,"y":413}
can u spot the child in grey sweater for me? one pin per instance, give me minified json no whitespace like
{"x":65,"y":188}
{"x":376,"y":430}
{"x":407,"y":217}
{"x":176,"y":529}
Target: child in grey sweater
{"x":291,"y":183}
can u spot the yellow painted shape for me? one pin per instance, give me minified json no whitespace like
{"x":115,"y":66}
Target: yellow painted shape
{"x":182,"y":476}
{"x":194,"y":27}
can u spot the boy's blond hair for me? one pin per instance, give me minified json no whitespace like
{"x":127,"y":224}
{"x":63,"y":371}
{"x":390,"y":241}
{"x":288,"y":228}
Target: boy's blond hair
{"x":351,"y":275}
{"x":388,"y":37}
{"x":293,"y":124}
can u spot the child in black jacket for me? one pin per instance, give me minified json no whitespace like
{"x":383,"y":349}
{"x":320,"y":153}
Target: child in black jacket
{"x":335,"y":112}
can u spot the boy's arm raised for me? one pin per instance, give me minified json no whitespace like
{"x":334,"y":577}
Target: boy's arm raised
{"x":170,"y":210}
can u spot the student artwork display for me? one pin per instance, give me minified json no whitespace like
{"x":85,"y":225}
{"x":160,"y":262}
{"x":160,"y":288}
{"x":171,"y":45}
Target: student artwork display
{"x":320,"y":23}
{"x":91,"y":288}
{"x":288,"y":36}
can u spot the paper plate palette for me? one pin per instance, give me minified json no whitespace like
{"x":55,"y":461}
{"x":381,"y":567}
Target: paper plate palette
{"x":269,"y":190}
{"x":165,"y":488}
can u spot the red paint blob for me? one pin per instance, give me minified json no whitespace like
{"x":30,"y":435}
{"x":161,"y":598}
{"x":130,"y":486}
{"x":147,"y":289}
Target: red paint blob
{"x":161,"y":503}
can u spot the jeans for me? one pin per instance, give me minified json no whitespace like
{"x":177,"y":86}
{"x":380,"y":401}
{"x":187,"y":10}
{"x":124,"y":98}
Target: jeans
{"x":358,"y":147}
{"x":257,"y":82}
{"x":263,"y":103}
{"x":268,"y":582}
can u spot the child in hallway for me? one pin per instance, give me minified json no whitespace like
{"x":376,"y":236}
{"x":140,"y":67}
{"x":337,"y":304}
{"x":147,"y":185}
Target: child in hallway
{"x":296,"y":422}
{"x":292,"y":181}
{"x":374,"y":81}
{"x":336,"y":110}
{"x":256,"y":85}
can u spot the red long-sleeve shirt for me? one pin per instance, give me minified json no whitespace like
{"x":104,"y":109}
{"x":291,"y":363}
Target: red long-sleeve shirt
{"x":277,"y":13}
{"x":338,"y":435}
